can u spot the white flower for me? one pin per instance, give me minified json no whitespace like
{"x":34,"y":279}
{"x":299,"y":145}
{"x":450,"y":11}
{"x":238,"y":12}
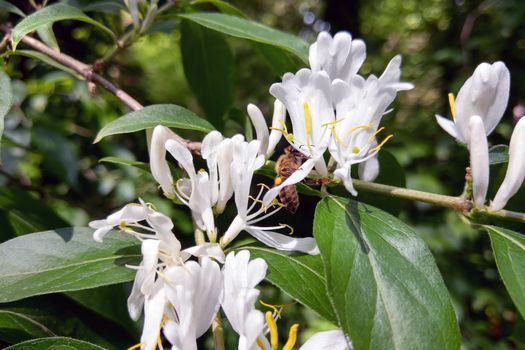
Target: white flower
{"x":340,"y":57}
{"x":308,"y":100}
{"x":157,"y":159}
{"x":245,"y":162}
{"x":267,"y":139}
{"x":195,"y":292}
{"x":240,"y":278}
{"x":327,"y":340}
{"x":129,"y":215}
{"x":515,"y":170}
{"x":484,"y":94}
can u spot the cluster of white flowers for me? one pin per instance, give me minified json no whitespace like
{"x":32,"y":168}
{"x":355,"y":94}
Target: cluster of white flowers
{"x":476,"y":112}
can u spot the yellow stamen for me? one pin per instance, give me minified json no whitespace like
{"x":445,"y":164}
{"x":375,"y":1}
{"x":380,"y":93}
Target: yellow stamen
{"x":255,"y":199}
{"x":278,"y":180}
{"x":272,"y":326}
{"x":260,"y":344}
{"x":275,"y":308}
{"x":378,"y":147}
{"x":288,"y":226}
{"x":363,"y":126}
{"x":276,"y":203}
{"x":333,"y":122}
{"x":334,"y":134}
{"x":136,"y":346}
{"x":263,"y":185}
{"x":371,"y":138}
{"x":356,"y":150}
{"x":292,"y":337}
{"x":307,"y":123}
{"x":452,"y":103}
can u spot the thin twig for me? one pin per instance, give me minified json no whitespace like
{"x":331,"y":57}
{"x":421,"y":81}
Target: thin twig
{"x":87,"y":72}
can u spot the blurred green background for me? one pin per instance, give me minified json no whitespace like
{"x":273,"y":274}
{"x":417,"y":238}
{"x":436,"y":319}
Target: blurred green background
{"x":51,"y":176}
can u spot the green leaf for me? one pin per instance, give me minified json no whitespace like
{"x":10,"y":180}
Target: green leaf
{"x":64,"y":260}
{"x":4,"y":5}
{"x":26,"y":213}
{"x":16,"y":327}
{"x":6,"y":98}
{"x":223,"y":6}
{"x":253,"y":31}
{"x":499,"y":154}
{"x":301,"y":276}
{"x":209,"y":68}
{"x":135,"y":163}
{"x":55,"y":343}
{"x":279,"y":61}
{"x":172,"y":116}
{"x":51,"y":14}
{"x":509,"y":251}
{"x":386,"y":289}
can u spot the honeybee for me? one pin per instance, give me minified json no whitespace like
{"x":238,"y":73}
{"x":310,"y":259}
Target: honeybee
{"x":285,"y":166}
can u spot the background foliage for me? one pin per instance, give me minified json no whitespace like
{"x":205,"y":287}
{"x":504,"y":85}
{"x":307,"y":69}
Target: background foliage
{"x":51,"y":175}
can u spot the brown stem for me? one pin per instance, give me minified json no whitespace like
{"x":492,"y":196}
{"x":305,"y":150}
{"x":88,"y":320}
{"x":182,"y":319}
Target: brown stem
{"x":88,"y":73}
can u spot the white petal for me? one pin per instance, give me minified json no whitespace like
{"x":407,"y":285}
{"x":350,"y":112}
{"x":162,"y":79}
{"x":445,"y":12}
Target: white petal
{"x":296,"y":177}
{"x":479,"y":160}
{"x":369,"y":170}
{"x":450,"y":127}
{"x":99,"y":234}
{"x":515,"y":170}
{"x":344,"y":174}
{"x":153,"y":313}
{"x":159,"y":167}
{"x":327,"y":340}
{"x":283,"y":242}
{"x":182,"y":155}
{"x":150,"y":254}
{"x":209,"y":152}
{"x":211,"y":250}
{"x":237,"y":225}
{"x":261,"y":128}
{"x":136,"y":298}
{"x":224,"y":160}
{"x":278,"y":118}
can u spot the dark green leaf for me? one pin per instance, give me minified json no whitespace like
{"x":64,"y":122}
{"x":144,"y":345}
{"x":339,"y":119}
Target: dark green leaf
{"x":300,"y":276}
{"x":6,"y":98}
{"x":509,"y":251}
{"x":55,"y":343}
{"x":46,"y":34}
{"x":48,"y":15}
{"x":280,"y":61}
{"x":253,"y":31}
{"x":16,"y":327}
{"x":64,"y":260}
{"x":26,"y":213}
{"x":499,"y":154}
{"x":384,"y":284}
{"x":209,"y":69}
{"x":46,"y":59}
{"x":223,"y":6}
{"x":4,"y":5}
{"x":172,"y":116}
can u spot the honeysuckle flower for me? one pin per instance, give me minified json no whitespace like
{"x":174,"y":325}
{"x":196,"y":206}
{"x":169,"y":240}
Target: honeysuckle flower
{"x":479,"y":160}
{"x":154,"y":310}
{"x":195,"y":292}
{"x":196,"y":192}
{"x":245,"y":161}
{"x":130,"y":214}
{"x":369,"y":169}
{"x":241,"y":276}
{"x":308,"y":100}
{"x":515,"y":169}
{"x":484,"y":94}
{"x":340,"y":57}
{"x":327,"y":340}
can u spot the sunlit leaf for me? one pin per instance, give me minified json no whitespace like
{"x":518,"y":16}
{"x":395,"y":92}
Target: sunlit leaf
{"x":55,"y":343}
{"x":172,"y":116}
{"x":51,"y":14}
{"x":250,"y":30}
{"x":64,"y":260}
{"x":509,"y":251}
{"x":384,"y":284}
{"x":223,"y":6}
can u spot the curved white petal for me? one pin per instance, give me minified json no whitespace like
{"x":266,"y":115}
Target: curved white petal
{"x":479,"y":160}
{"x":278,"y":119}
{"x":157,"y":159}
{"x":136,"y":298}
{"x":181,"y":155}
{"x":211,"y":250}
{"x":150,"y":254}
{"x":515,"y":170}
{"x":261,"y":128}
{"x":369,"y":170}
{"x":224,"y":160}
{"x":344,"y":174}
{"x":450,"y":127}
{"x":327,"y":340}
{"x":209,"y":152}
{"x":154,"y":307}
{"x":283,"y":242}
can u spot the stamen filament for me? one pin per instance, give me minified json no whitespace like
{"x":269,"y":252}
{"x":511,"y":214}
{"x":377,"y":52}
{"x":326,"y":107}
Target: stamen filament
{"x":259,"y":342}
{"x":363,"y":126}
{"x":371,"y":138}
{"x":262,"y":217}
{"x":378,"y":147}
{"x":272,"y":326}
{"x":307,"y":123}
{"x":292,"y":337}
{"x":136,"y":346}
